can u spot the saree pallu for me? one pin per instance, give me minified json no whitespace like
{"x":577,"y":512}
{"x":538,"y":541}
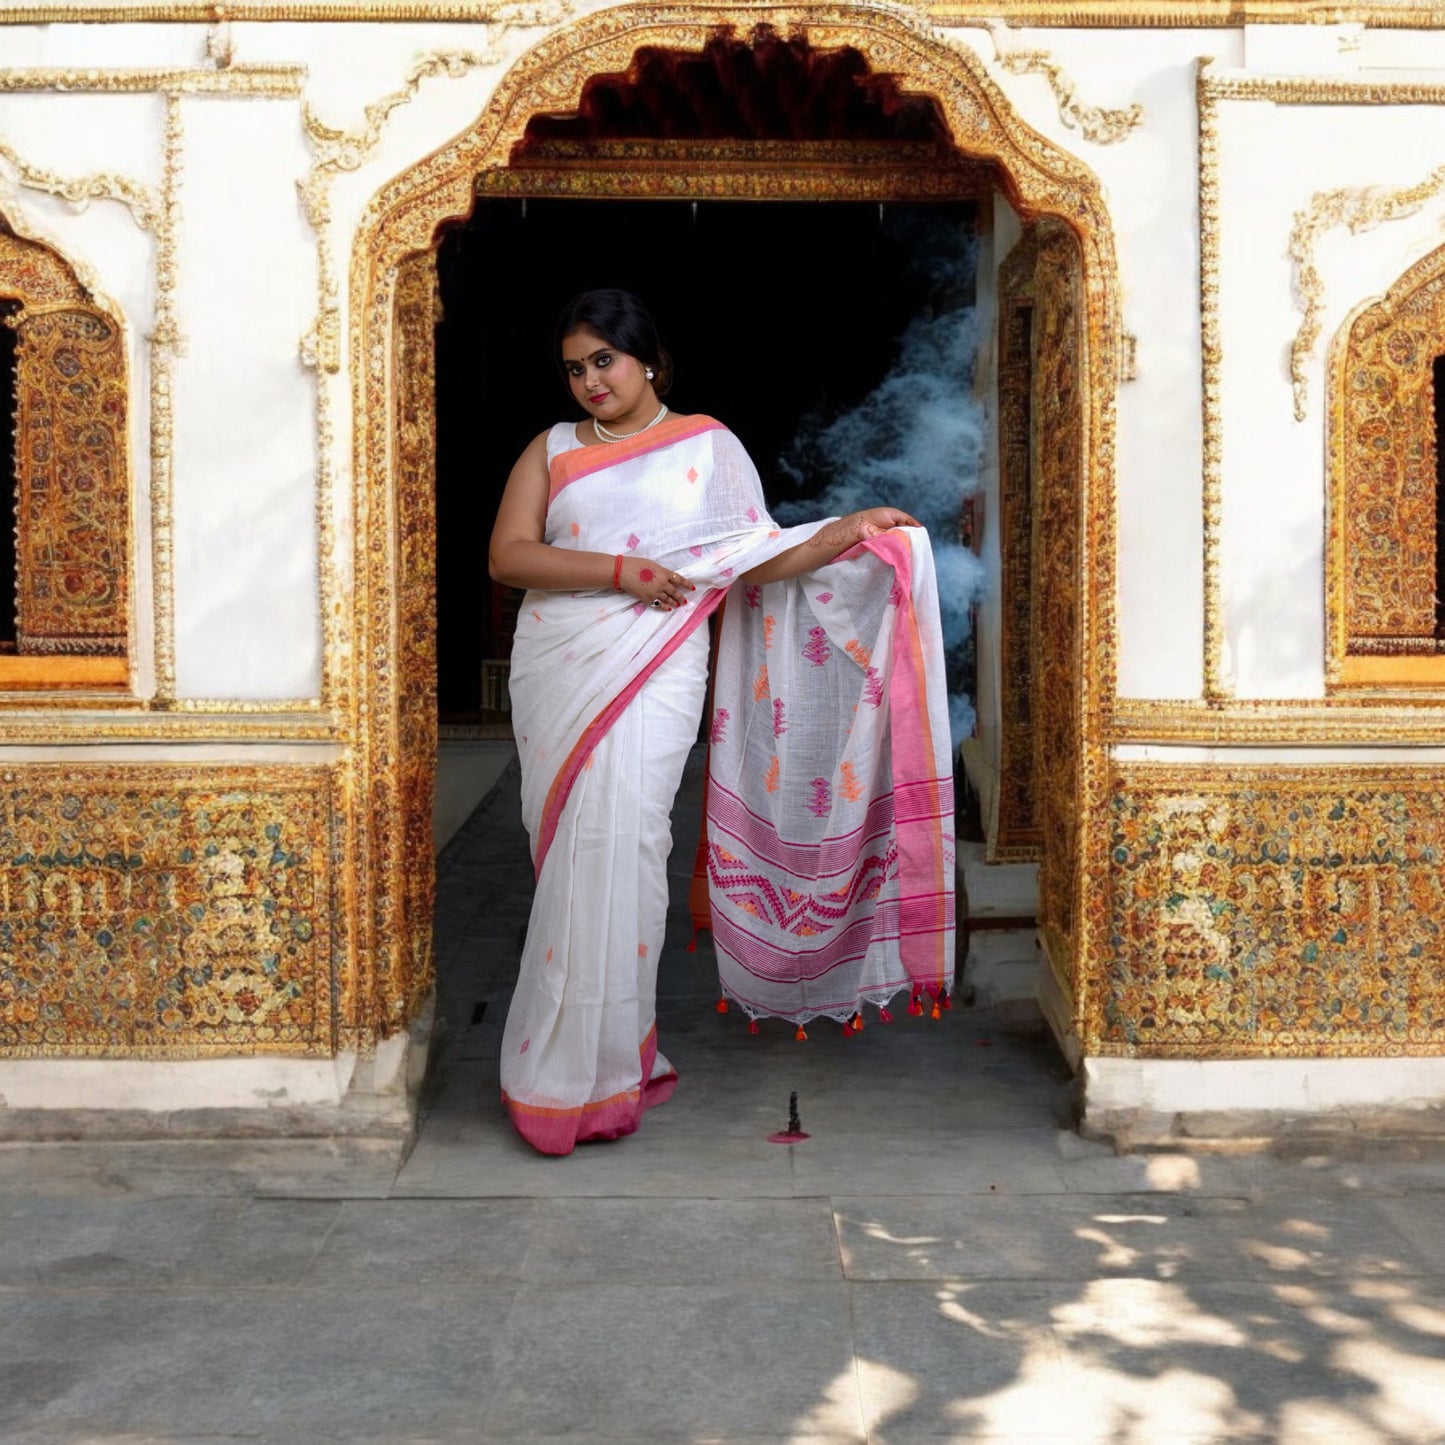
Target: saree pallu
{"x":829,"y":842}
{"x":607,"y":695}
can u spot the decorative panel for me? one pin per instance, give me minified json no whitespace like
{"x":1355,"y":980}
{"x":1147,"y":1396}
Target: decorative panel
{"x":1016,"y":835}
{"x":151,"y":911}
{"x":1281,"y":912}
{"x":34,"y":274}
{"x":413,"y":860}
{"x":1383,"y":582}
{"x":1058,"y":472}
{"x":72,"y":519}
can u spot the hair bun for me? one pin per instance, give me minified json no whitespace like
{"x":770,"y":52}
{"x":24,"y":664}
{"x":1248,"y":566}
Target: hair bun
{"x":662,"y":382}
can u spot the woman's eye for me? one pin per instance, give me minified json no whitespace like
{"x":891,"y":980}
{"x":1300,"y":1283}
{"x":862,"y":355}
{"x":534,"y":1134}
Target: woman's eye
{"x":603,"y":360}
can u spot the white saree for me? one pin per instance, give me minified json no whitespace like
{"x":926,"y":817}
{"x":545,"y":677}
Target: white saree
{"x":606,"y":699}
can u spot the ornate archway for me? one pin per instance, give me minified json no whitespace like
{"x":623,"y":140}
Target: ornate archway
{"x":390,"y":692}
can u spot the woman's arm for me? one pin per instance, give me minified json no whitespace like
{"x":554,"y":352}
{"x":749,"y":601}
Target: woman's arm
{"x":827,"y":542}
{"x":518,"y":557}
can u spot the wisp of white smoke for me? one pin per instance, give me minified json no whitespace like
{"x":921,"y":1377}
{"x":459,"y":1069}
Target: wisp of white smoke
{"x":915,"y":441}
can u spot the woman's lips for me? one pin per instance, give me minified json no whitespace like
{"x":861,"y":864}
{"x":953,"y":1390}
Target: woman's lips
{"x":599,"y":398}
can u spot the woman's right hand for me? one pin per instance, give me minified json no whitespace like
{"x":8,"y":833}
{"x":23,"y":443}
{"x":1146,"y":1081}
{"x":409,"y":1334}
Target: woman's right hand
{"x":652,"y":584}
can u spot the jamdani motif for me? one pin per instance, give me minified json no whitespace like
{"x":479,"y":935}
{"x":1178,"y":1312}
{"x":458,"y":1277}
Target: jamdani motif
{"x":1274,"y":912}
{"x":1016,"y":835}
{"x":144,"y":914}
{"x":72,"y":517}
{"x":1383,"y":465}
{"x":1058,"y":472}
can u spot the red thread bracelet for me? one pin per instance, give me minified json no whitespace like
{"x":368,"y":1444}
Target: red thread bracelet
{"x":617,"y":574}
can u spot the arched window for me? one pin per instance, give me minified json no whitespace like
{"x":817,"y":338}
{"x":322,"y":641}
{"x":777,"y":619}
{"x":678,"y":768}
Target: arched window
{"x":1386,"y":567}
{"x":65,"y":567}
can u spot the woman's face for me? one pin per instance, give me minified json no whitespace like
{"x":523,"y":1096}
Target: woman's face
{"x":608,"y":384}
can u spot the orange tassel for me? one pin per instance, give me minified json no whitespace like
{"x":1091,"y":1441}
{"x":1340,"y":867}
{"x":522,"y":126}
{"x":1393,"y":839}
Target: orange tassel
{"x":801,"y":1034}
{"x":752,"y":1026}
{"x":721,"y":1005}
{"x":884,"y":1017}
{"x":856,"y":1023}
{"x":935,"y":1011}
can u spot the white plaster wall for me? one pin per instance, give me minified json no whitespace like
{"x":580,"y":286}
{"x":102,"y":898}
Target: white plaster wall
{"x":1150,"y":188}
{"x":247,"y":609}
{"x":1273,"y":160}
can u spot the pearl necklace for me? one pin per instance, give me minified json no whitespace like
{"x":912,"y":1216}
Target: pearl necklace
{"x":603,"y":435}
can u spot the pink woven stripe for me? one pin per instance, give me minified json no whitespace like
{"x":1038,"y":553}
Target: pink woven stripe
{"x":559,"y":1131}
{"x":561,"y":789}
{"x":569,"y":467}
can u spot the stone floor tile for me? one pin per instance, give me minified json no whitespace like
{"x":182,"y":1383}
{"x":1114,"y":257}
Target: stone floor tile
{"x":133,"y":1365}
{"x":1159,"y":1236}
{"x":294,"y":1168}
{"x":677,"y":1362}
{"x":719,"y":1241}
{"x":935,"y":1161}
{"x":934,"y":1358}
{"x":419,"y":1243}
{"x":159,"y":1243}
{"x":1299,"y":1362}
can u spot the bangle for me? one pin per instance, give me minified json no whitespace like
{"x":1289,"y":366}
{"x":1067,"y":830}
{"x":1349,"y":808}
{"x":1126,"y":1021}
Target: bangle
{"x":617,"y":574}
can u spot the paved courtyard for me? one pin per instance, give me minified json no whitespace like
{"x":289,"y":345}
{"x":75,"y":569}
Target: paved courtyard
{"x":943,"y":1259}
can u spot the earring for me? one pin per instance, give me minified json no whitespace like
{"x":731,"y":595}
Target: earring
{"x":649,"y":373}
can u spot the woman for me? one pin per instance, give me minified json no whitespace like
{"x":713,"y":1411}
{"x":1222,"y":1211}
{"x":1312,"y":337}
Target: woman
{"x":627,"y":528}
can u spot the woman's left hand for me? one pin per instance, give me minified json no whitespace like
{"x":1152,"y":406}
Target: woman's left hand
{"x":880,"y":519}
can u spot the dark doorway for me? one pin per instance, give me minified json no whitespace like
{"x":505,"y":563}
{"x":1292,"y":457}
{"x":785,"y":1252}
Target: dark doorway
{"x":772,"y":311}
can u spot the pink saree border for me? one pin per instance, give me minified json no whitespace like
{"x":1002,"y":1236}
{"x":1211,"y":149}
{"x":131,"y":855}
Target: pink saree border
{"x":561,"y":789}
{"x":572,"y":466}
{"x":924,"y":916}
{"x":558,"y":1131}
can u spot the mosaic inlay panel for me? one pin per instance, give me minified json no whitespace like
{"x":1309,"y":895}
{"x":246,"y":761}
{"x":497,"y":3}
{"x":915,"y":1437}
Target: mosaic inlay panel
{"x":1287,"y":912}
{"x":154,"y":910}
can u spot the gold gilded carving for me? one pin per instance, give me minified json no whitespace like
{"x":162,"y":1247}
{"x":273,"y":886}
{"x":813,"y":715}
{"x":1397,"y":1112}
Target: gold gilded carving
{"x":1317,"y":722}
{"x":165,"y":340}
{"x":737,"y":170}
{"x":140,"y":200}
{"x":1359,"y":209}
{"x":1381,"y":580}
{"x":1058,"y":472}
{"x":273,"y":82}
{"x":414,"y":386}
{"x":402,"y":219}
{"x":1207,"y":91}
{"x":35,"y":276}
{"x":1016,"y":835}
{"x":1272,"y":912}
{"x":1103,"y":127}
{"x":72,"y":519}
{"x":146,"y":914}
{"x":1066,"y":14}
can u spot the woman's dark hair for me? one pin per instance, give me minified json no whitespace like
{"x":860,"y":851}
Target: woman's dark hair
{"x":621,"y":320}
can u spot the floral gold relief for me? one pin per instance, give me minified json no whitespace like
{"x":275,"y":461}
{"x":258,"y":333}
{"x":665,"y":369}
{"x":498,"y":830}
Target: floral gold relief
{"x":1288,"y":912}
{"x":148,"y":911}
